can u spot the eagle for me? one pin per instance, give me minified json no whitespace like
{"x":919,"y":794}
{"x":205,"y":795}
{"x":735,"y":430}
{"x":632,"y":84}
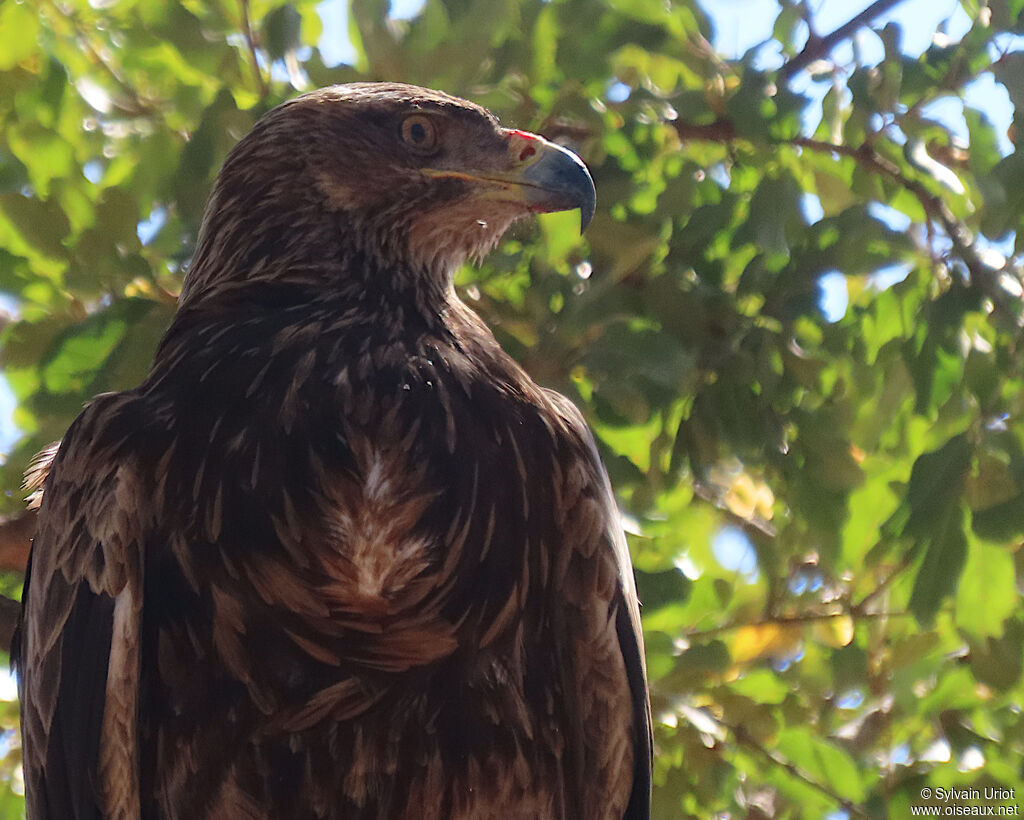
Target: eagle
{"x":338,"y":556}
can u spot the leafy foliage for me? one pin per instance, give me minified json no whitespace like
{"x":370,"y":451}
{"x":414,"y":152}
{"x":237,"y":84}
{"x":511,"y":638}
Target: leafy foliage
{"x":826,"y":516}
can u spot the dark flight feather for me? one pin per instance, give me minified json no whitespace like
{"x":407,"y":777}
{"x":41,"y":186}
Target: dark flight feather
{"x":338,"y":556}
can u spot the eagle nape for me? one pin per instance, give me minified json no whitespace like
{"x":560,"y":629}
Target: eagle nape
{"x":338,"y":556}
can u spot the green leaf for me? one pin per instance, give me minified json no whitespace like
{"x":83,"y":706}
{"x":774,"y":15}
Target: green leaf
{"x":282,"y":31}
{"x":1009,"y":70}
{"x":45,"y":154}
{"x":750,"y":108}
{"x":79,"y":354}
{"x":19,"y":32}
{"x":787,"y":23}
{"x":822,"y":762}
{"x":33,"y":225}
{"x":984,"y":153}
{"x":762,"y":686}
{"x":696,"y":661}
{"x":1008,"y":14}
{"x":1000,"y":522}
{"x":987,"y":593}
{"x":849,"y":667}
{"x":207,"y":146}
{"x":943,"y":562}
{"x":776,"y":217}
{"x":997,"y":661}
{"x":546,"y":33}
{"x":956,"y":690}
{"x":659,"y":588}
{"x":936,"y":482}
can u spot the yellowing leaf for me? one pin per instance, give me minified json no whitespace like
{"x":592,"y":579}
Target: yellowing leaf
{"x":835,"y":632}
{"x":757,"y":641}
{"x":746,"y":498}
{"x":19,"y":30}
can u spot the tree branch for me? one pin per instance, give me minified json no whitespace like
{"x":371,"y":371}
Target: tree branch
{"x":15,"y":540}
{"x":985,"y":277}
{"x":10,"y":612}
{"x":818,"y":47}
{"x":789,"y":620}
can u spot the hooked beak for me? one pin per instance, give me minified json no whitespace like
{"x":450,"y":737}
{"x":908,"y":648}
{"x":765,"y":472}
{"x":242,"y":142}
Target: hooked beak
{"x":537,"y":173}
{"x":556,"y":179}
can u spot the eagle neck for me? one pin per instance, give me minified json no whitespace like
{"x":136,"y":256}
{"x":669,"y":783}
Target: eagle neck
{"x":326,"y":258}
{"x":375,"y":273}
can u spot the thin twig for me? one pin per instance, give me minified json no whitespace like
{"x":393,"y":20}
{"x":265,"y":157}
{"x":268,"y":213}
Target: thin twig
{"x":755,"y":526}
{"x":818,"y":47}
{"x":858,"y":608}
{"x":789,"y":620}
{"x":250,"y":41}
{"x":132,"y":102}
{"x":746,"y":739}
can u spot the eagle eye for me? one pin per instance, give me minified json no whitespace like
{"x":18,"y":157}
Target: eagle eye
{"x":419,"y":132}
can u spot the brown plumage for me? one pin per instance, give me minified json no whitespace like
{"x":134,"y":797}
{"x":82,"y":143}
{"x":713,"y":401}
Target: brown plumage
{"x":338,"y":556}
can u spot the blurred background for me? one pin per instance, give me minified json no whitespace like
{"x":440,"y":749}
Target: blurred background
{"x":795,"y":325}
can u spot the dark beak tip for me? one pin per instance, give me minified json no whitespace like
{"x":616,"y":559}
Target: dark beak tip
{"x":587,"y":208}
{"x":563,"y":182}
{"x":586,"y":193}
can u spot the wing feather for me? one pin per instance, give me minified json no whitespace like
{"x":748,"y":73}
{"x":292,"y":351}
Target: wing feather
{"x":83,"y":567}
{"x":607,"y":529}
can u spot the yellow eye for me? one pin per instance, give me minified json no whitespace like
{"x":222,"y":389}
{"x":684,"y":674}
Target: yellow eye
{"x":419,"y":132}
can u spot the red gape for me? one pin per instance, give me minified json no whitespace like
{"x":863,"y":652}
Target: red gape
{"x":526,"y":135}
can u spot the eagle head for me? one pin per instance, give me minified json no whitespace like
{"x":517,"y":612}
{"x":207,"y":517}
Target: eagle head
{"x":413,"y":180}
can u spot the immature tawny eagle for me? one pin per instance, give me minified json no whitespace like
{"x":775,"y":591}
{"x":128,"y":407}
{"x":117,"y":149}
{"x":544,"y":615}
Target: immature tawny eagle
{"x":338,"y":556}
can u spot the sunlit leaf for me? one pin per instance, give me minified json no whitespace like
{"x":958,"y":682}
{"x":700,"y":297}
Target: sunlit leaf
{"x":19,"y":30}
{"x":823,"y":761}
{"x":765,"y":640}
{"x":987,"y":592}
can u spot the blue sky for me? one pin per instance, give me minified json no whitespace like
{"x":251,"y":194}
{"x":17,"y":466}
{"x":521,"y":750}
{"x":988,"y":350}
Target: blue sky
{"x":739,"y":26}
